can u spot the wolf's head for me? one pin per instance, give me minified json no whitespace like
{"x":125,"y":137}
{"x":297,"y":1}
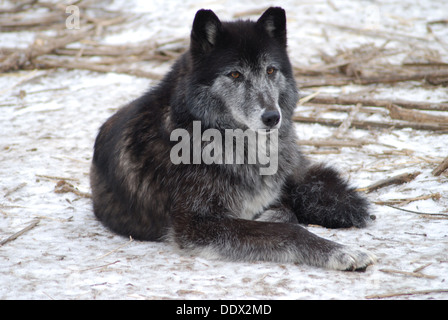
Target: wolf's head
{"x":241,"y":76}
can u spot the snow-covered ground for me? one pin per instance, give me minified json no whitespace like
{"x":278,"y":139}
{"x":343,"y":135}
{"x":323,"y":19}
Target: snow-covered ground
{"x":49,"y":120}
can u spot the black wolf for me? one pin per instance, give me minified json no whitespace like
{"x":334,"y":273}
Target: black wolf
{"x":235,"y":75}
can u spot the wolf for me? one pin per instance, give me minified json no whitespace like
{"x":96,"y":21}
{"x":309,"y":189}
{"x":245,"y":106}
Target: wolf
{"x":235,"y":75}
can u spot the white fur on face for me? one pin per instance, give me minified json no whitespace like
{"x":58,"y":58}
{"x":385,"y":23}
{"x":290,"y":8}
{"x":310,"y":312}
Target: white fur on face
{"x":243,"y":97}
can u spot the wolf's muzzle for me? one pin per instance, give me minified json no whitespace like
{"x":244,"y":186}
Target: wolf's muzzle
{"x":270,"y":118}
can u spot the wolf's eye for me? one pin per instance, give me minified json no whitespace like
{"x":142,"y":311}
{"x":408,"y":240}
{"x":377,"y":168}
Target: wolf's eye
{"x":270,"y":70}
{"x":235,"y":74}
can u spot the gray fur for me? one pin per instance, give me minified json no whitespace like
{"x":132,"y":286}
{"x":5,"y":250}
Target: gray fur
{"x":250,"y":98}
{"x":221,"y":210}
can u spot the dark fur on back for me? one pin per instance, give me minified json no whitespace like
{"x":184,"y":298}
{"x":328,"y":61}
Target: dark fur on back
{"x":220,"y":210}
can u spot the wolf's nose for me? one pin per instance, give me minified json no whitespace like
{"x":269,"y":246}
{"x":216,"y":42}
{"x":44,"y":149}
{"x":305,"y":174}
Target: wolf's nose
{"x":270,"y":118}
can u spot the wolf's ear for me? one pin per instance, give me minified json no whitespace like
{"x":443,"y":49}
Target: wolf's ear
{"x":206,"y":30}
{"x":273,"y":20}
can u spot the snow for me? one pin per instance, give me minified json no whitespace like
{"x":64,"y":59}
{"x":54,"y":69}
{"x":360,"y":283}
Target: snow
{"x":49,"y":120}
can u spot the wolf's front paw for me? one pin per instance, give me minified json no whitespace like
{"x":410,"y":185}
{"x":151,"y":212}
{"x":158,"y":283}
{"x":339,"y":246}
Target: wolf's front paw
{"x":348,"y":259}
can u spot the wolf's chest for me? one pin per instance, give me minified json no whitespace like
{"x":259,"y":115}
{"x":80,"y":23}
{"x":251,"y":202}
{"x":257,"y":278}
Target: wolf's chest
{"x":256,"y":202}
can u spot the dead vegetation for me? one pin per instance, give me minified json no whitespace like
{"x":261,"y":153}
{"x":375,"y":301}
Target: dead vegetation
{"x":61,"y":43}
{"x":57,"y":46}
{"x":360,"y":65}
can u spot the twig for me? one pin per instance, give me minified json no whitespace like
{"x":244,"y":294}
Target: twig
{"x":322,"y":152}
{"x":56,"y":178}
{"x":345,"y":108}
{"x":385,"y":34}
{"x":47,"y":20}
{"x":19,"y":233}
{"x":375,"y":124}
{"x":441,"y":167}
{"x":399,"y":113}
{"x":406,"y":273}
{"x":139,"y":52}
{"x":94,"y":66}
{"x":44,"y":45}
{"x":309,"y":82}
{"x":417,"y":212}
{"x":332,"y":143}
{"x":19,"y":7}
{"x":20,"y":186}
{"x":399,"y":179}
{"x":405,"y":293}
{"x":97,"y":267}
{"x":116,"y":249}
{"x":347,"y":62}
{"x":20,"y":58}
{"x":346,"y":124}
{"x":348,"y":100}
{"x":436,"y":37}
{"x":422,"y":267}
{"x":24,"y":79}
{"x":366,"y":76}
{"x":443,"y":21}
{"x":434,"y":196}
{"x":429,"y":76}
{"x":438,"y":216}
{"x":429,"y":64}
{"x":307,"y":98}
{"x":64,"y":187}
{"x":416,"y":234}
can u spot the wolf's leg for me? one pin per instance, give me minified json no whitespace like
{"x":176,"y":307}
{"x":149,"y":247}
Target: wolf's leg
{"x":320,"y":196}
{"x":247,"y":240}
